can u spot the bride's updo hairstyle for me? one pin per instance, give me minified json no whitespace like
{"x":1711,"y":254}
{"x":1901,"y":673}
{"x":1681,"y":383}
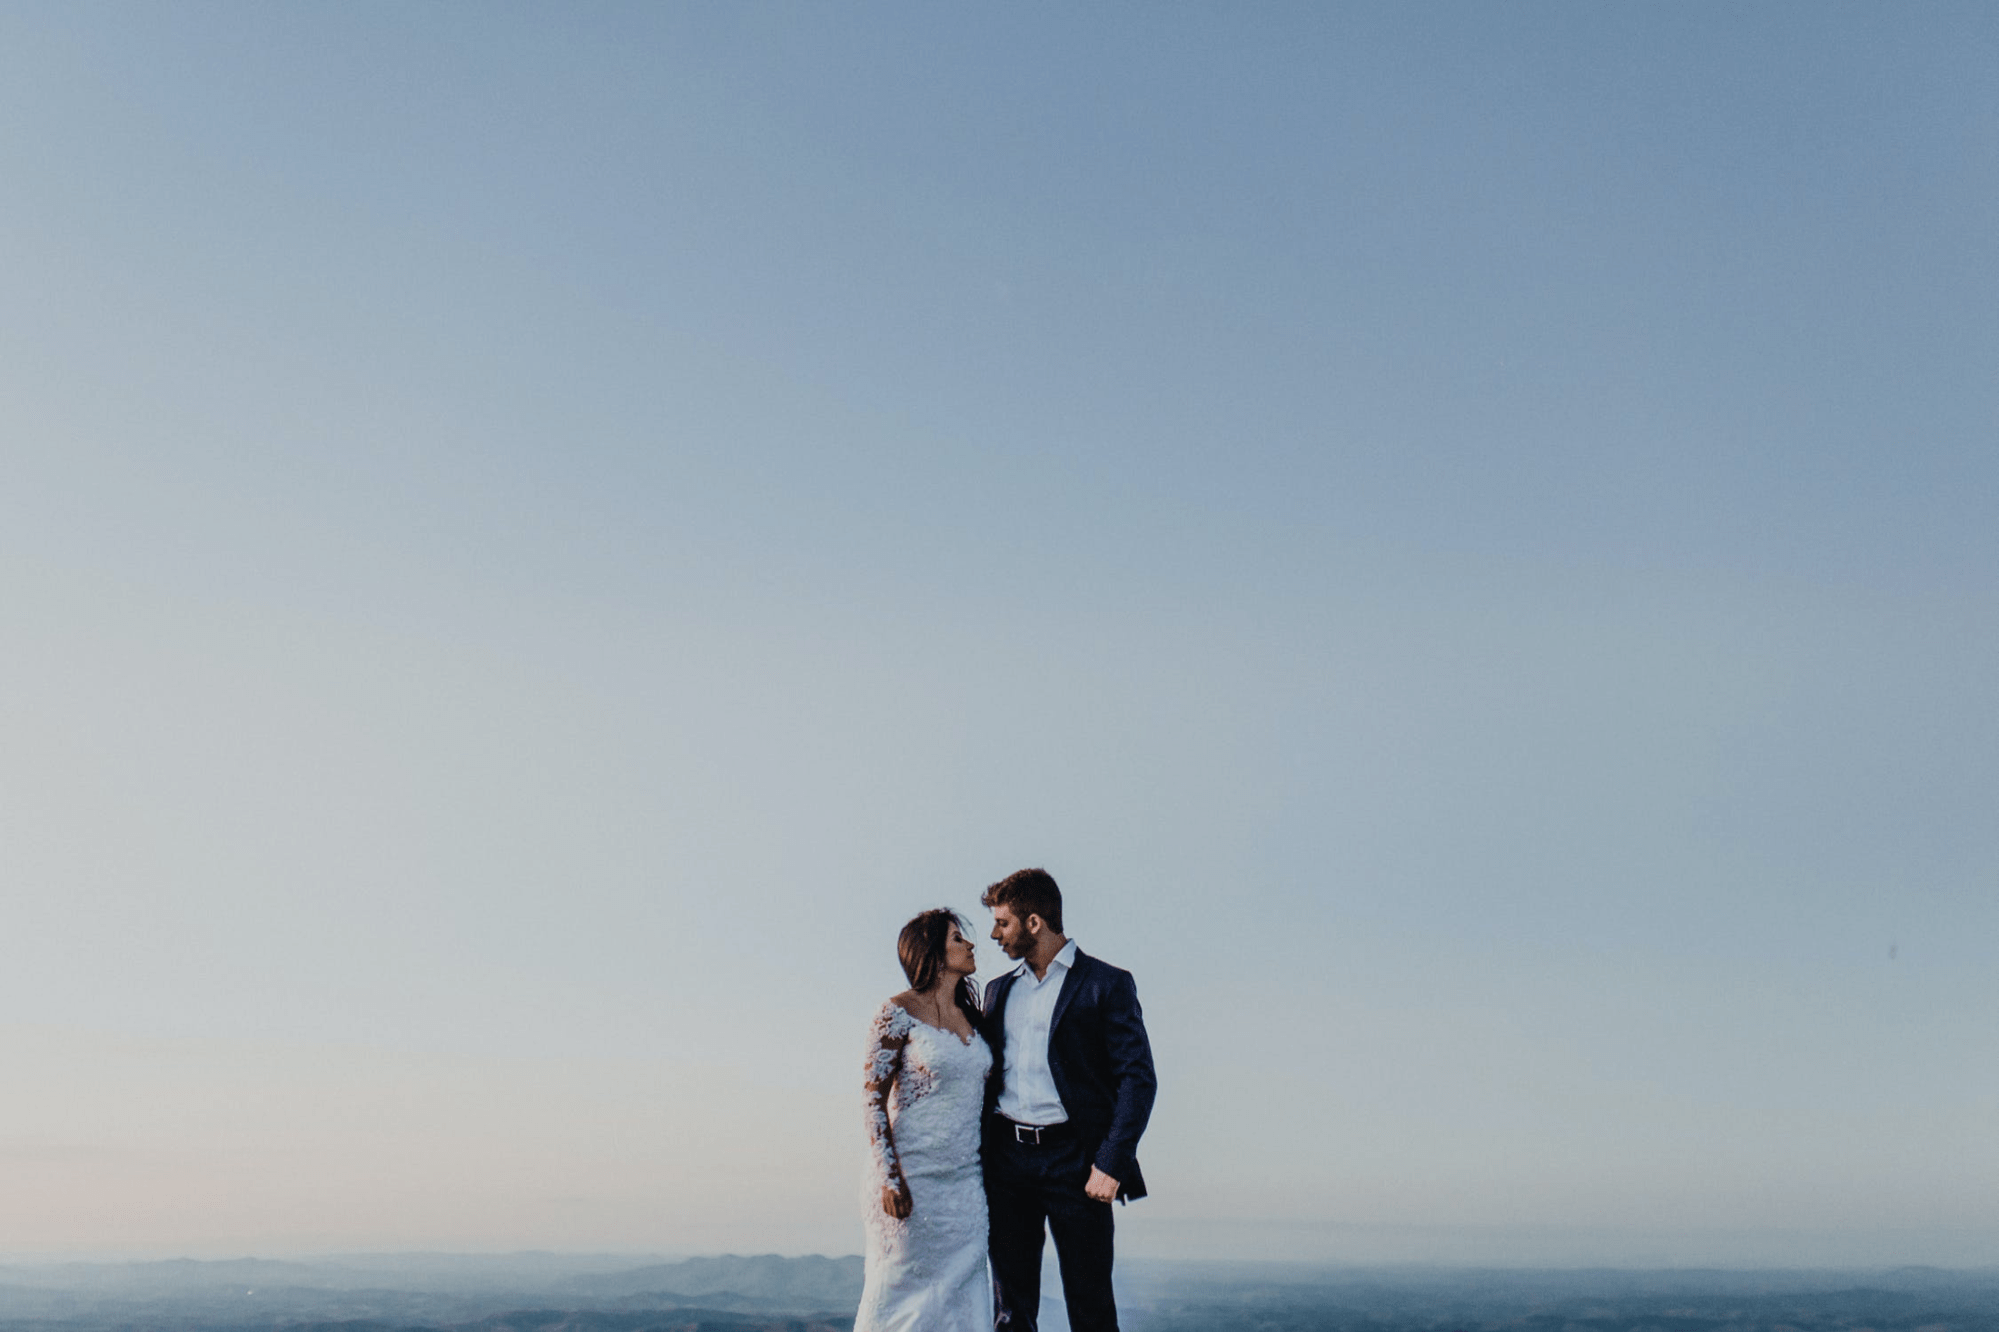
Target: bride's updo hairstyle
{"x":921,"y":947}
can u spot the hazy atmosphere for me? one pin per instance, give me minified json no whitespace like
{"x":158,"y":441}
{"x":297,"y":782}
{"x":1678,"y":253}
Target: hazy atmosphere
{"x":533,"y":538}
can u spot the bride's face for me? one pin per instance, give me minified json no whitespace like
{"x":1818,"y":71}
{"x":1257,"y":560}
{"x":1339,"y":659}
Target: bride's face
{"x":958,"y":954}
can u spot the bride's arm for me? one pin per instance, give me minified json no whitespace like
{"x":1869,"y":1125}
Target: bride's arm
{"x":887,"y":1037}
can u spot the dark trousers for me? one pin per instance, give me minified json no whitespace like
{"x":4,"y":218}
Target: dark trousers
{"x":1027,"y":1185}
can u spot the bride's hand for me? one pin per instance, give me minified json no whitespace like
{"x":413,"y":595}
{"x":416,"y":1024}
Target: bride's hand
{"x":895,"y":1198}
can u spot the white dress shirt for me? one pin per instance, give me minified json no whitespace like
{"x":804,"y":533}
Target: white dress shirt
{"x":1028,"y":1094}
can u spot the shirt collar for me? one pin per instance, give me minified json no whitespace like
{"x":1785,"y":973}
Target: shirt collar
{"x":1064,"y":960}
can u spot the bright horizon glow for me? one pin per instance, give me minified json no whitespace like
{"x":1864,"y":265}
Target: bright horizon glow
{"x":533,"y":539}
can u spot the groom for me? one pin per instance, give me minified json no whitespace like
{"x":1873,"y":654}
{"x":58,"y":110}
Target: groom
{"x":1070,"y":1091}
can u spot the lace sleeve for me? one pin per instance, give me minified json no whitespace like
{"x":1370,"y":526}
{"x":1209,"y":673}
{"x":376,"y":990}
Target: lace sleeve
{"x":887,"y":1035}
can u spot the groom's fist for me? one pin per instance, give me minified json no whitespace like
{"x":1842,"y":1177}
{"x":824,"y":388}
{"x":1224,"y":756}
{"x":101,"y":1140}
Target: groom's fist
{"x":1101,"y":1187}
{"x":895,"y":1199}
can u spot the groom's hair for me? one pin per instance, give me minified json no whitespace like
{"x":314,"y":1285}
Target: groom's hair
{"x":1028,"y":893}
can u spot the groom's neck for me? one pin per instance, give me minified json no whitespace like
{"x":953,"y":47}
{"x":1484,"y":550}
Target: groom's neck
{"x":1045,"y":949}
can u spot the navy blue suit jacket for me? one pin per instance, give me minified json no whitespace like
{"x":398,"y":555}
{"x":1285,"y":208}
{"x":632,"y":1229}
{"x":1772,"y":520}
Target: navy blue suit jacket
{"x":1101,"y":1060}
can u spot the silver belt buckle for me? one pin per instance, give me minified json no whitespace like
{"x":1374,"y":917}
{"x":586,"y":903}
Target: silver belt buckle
{"x":1020,"y":1134}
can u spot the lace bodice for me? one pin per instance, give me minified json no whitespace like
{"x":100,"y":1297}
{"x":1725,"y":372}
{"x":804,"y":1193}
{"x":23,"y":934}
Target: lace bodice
{"x":922,"y":1083}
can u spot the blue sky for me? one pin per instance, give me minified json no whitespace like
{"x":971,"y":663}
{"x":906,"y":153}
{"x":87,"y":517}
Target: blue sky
{"x":533,"y":538}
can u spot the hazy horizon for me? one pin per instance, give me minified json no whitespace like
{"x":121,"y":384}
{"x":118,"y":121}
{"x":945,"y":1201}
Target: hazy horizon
{"x":1373,"y":1258}
{"x":533,"y":538}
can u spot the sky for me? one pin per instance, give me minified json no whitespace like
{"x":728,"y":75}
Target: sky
{"x":533,"y":538}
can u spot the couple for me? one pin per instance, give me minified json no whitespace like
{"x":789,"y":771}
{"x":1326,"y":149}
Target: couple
{"x":987,"y":1121}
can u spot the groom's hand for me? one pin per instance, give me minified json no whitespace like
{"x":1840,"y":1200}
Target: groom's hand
{"x":1101,"y":1187}
{"x":895,"y":1199}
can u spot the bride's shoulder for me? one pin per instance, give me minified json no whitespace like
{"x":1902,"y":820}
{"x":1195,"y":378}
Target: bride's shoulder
{"x":892,"y":1019}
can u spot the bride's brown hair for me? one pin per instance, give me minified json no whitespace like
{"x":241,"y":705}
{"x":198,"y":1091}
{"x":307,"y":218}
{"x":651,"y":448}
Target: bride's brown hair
{"x":921,"y":947}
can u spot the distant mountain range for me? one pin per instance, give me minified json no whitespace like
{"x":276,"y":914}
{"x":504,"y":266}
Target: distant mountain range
{"x":730,"y":1292}
{"x":356,"y":1292}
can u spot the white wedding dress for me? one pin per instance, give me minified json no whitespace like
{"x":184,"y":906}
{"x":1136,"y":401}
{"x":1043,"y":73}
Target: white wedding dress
{"x":925,"y":1093}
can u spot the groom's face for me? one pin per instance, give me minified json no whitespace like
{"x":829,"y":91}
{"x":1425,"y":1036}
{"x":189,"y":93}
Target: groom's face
{"x":1015,"y":938}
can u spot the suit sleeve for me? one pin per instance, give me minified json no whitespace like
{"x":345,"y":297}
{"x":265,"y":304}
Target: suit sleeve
{"x":1131,"y":1074}
{"x":991,"y":1028}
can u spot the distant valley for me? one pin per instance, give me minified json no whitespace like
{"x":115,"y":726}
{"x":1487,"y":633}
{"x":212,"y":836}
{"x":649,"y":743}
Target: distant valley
{"x":728,"y":1292}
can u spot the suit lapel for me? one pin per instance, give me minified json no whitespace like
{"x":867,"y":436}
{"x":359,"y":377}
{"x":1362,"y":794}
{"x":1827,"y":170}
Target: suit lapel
{"x":1067,"y":993}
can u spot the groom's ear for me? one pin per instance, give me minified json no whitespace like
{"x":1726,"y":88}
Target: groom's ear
{"x":1035,"y":925}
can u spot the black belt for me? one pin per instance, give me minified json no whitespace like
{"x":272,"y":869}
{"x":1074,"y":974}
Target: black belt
{"x":1033,"y":1136}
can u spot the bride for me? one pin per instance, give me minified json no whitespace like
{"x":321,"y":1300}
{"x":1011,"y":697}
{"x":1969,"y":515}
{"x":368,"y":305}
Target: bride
{"x":923,"y":1201}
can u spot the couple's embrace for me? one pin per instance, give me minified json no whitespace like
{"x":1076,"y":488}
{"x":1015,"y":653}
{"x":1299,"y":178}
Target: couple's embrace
{"x":988,"y":1120}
